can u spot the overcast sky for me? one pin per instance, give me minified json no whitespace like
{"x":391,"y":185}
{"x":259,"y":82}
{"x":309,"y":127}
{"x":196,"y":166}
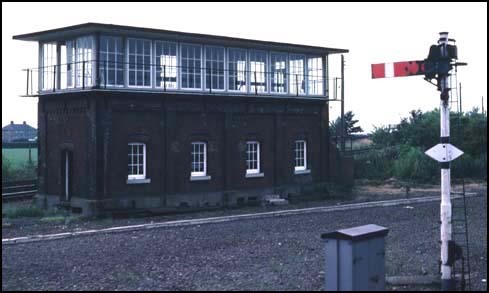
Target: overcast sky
{"x":373,"y":32}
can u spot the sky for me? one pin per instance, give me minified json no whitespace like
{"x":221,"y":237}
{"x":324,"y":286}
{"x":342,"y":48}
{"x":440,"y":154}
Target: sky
{"x":372,"y":32}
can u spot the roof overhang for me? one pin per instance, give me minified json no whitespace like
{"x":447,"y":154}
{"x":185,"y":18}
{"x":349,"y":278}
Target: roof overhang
{"x":69,"y":32}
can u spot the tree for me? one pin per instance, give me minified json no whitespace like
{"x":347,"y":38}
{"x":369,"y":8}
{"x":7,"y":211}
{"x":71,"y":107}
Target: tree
{"x":420,"y":131}
{"x":349,"y":124}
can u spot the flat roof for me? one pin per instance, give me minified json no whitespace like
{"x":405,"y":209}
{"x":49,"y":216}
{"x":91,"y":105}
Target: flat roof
{"x":68,"y":32}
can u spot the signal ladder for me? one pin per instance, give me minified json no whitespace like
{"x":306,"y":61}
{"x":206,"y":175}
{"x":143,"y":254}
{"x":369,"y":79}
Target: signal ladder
{"x":460,"y":243}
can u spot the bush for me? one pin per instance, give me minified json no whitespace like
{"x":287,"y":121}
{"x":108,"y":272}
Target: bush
{"x":415,"y":135}
{"x":466,"y":166}
{"x":413,"y":164}
{"x":376,"y":163}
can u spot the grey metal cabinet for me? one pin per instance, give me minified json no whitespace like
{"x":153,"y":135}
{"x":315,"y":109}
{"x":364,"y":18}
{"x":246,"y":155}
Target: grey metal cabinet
{"x":355,"y":258}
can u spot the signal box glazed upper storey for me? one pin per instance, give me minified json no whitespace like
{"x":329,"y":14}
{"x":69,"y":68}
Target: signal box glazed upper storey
{"x":96,"y":56}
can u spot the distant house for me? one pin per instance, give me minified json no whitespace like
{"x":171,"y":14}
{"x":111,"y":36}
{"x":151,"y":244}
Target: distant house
{"x":18,"y":132}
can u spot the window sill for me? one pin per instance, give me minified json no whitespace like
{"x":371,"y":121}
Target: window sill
{"x":200,"y":178}
{"x":299,"y":172}
{"x":255,"y":175}
{"x":138,"y":181}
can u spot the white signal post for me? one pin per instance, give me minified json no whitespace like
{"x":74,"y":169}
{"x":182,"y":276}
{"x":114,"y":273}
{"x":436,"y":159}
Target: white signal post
{"x":446,"y":206}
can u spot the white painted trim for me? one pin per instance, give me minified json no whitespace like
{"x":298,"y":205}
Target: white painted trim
{"x":200,"y":178}
{"x":304,"y":72}
{"x":206,"y":89}
{"x":321,"y":78}
{"x":257,"y":170}
{"x":150,"y":67}
{"x":138,"y":181}
{"x":199,"y":173}
{"x":304,"y":167}
{"x":300,"y":172}
{"x":201,"y":89}
{"x":139,"y":176}
{"x":389,"y":69}
{"x":237,"y":72}
{"x":254,"y":175}
{"x":286,"y":76}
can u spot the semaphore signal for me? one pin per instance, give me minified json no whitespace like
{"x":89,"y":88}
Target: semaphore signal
{"x":441,"y":59}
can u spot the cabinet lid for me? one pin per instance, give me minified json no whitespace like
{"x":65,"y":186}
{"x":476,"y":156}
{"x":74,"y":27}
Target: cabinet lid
{"x":357,"y":233}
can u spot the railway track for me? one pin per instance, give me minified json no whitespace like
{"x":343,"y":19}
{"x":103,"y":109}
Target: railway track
{"x":18,"y":190}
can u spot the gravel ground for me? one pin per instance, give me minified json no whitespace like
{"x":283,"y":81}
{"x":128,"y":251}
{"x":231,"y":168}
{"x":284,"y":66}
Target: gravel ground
{"x":283,"y":253}
{"x":361,"y":193}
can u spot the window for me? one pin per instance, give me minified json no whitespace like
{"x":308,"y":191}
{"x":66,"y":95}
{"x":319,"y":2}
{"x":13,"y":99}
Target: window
{"x":214,"y":68}
{"x":258,"y":68}
{"x":237,"y":70}
{"x":84,"y":62}
{"x":279,"y":72}
{"x":297,"y":71}
{"x":49,"y":61}
{"x":111,"y":66}
{"x":191,"y":67}
{"x":315,"y":75}
{"x":199,"y":159}
{"x":252,"y":157}
{"x":166,"y":65}
{"x":300,"y":155}
{"x":136,"y":161}
{"x":66,"y":64}
{"x":70,"y":63}
{"x":139,"y":62}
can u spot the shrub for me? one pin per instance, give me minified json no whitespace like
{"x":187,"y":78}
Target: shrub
{"x":376,"y":163}
{"x":414,"y":164}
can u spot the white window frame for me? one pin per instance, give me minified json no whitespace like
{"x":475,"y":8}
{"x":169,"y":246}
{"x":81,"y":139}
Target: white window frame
{"x":81,"y":52}
{"x":238,"y":71}
{"x":49,"y":54}
{"x":264,"y":72}
{"x":128,"y":82}
{"x":292,"y":75}
{"x":176,"y":69}
{"x":114,"y":69}
{"x":70,"y":63}
{"x":192,"y":153}
{"x":257,"y":169}
{"x":201,"y":67}
{"x":286,"y":74}
{"x":206,"y":86}
{"x":138,"y":176}
{"x":297,"y":157}
{"x":317,"y":73}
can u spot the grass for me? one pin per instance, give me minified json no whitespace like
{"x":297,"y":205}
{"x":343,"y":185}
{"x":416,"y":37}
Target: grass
{"x":53,"y":219}
{"x":19,"y":157}
{"x":22,"y":212}
{"x":13,"y":211}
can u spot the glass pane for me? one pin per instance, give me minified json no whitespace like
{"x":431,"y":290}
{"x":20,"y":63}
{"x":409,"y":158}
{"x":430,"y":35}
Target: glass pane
{"x":279,"y":72}
{"x":315,"y":75}
{"x":297,"y":71}
{"x":258,"y":61}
